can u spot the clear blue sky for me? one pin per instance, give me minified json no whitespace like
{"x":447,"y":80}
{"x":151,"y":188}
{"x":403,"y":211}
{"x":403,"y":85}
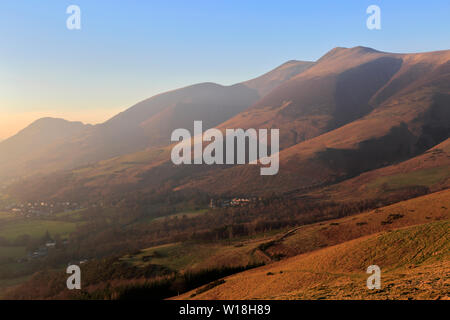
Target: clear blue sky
{"x":130,"y":50}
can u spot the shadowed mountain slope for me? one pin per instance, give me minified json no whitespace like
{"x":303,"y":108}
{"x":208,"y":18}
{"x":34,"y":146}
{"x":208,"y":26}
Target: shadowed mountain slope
{"x":427,"y":172}
{"x":35,"y":145}
{"x":333,"y":92}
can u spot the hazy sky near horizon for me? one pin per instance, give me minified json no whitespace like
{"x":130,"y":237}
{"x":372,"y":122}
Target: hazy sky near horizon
{"x":127,"y":51}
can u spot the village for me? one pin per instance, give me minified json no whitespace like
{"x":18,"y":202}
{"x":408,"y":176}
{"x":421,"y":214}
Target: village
{"x":39,"y":209}
{"x":234,"y":202}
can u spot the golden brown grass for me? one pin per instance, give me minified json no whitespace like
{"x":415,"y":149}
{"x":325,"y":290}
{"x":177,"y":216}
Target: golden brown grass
{"x":410,"y":241}
{"x":414,"y":263}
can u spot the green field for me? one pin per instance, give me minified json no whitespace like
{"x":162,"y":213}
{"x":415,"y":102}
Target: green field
{"x":176,"y":256}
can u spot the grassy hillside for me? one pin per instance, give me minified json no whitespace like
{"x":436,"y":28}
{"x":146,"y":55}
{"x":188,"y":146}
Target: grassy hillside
{"x":430,"y":171}
{"x":200,"y":255}
{"x":408,"y":240}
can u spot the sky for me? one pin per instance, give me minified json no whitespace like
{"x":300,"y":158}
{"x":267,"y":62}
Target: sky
{"x":127,"y":51}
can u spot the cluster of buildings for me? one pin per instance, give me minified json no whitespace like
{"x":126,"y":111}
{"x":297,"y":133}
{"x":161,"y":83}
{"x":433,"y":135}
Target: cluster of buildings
{"x":234,"y":202}
{"x":42,"y":251}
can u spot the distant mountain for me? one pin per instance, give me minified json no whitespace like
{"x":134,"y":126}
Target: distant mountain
{"x":42,"y":149}
{"x":42,"y":132}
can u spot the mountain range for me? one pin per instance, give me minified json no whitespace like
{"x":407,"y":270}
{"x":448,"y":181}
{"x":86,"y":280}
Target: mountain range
{"x":353,"y":116}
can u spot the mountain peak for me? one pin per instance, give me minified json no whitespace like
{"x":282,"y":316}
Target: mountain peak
{"x":52,"y":121}
{"x":357,"y":48}
{"x":338,"y":51}
{"x":363,"y":49}
{"x":50,"y":126}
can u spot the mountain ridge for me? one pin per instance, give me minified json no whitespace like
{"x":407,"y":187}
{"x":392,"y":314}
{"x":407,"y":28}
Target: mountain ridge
{"x":145,"y":124}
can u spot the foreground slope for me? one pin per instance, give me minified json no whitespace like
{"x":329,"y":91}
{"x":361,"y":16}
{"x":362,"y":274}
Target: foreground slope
{"x":306,"y":238}
{"x":414,"y":263}
{"x":413,"y":253}
{"x":353,"y":111}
